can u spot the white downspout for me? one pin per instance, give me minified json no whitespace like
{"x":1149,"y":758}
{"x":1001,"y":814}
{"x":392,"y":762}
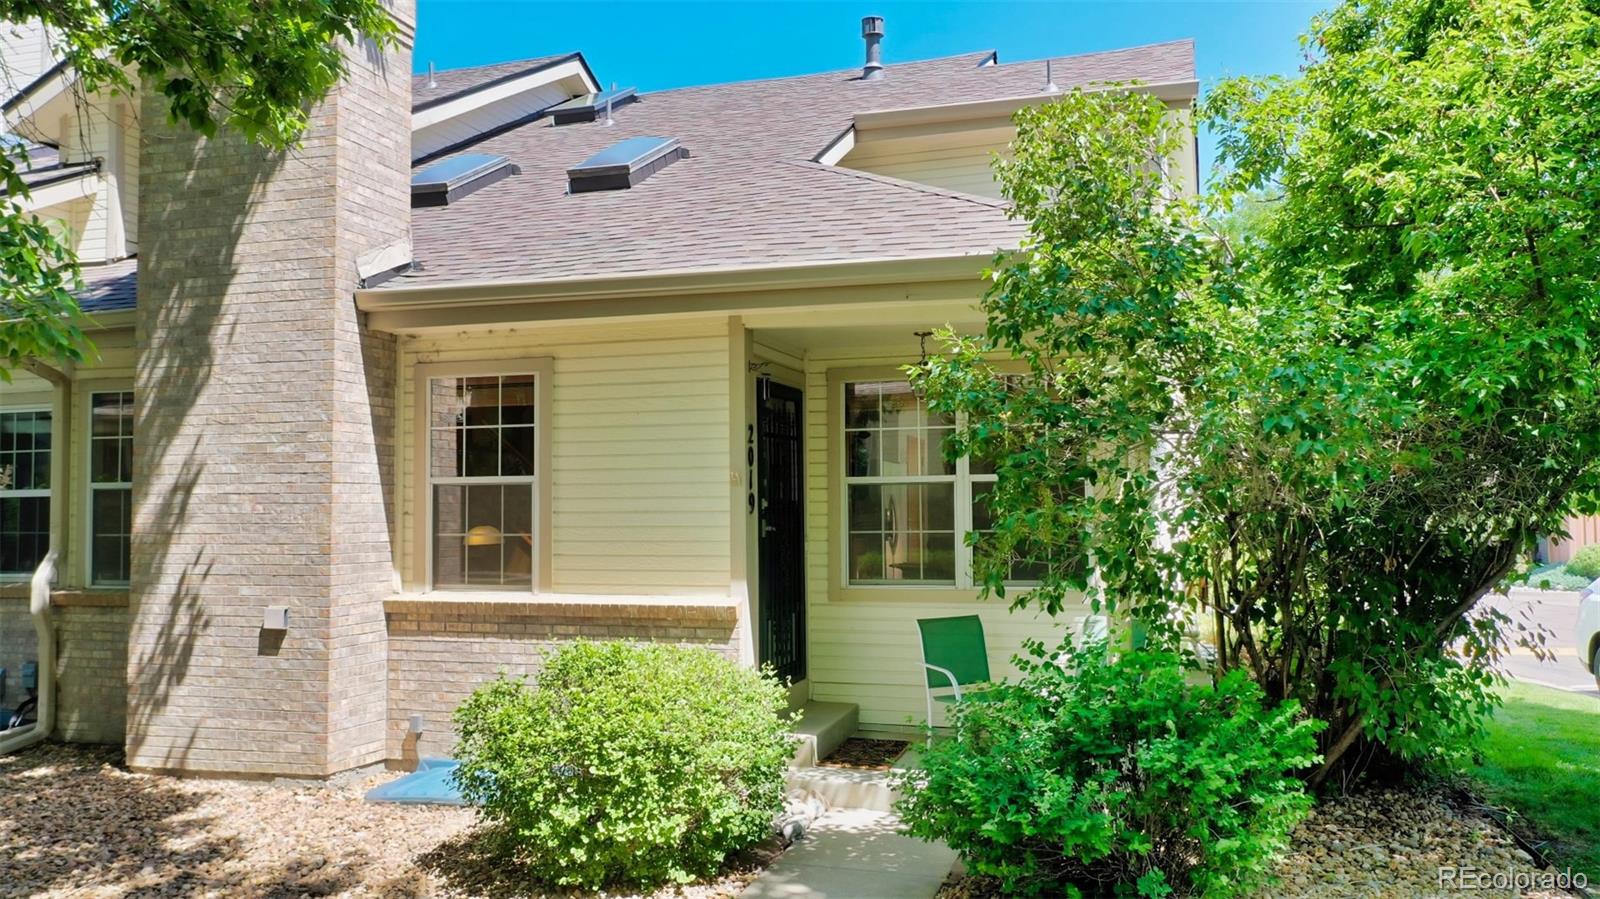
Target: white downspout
{"x":39,"y":595}
{"x":39,"y":607}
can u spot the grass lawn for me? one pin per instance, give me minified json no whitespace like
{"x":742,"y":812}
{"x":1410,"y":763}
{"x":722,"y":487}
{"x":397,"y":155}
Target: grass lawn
{"x":1542,"y":761}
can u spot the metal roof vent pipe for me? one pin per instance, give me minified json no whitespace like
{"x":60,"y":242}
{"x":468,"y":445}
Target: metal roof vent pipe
{"x":872,"y":33}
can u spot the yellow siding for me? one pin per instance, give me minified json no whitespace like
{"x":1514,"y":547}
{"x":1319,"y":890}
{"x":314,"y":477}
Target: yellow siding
{"x":111,"y":369}
{"x":128,"y":188}
{"x":72,"y":220}
{"x":963,"y":159}
{"x":968,"y":169}
{"x":640,"y":457}
{"x":867,"y":652}
{"x":91,"y":240}
{"x":104,"y":225}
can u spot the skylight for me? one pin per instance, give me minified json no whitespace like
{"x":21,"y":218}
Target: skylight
{"x":624,"y":164}
{"x":590,"y":107}
{"x":450,"y":179}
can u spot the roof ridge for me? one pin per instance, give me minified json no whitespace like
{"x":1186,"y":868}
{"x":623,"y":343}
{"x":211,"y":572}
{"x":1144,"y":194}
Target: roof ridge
{"x":1150,"y":46}
{"x":531,"y":60}
{"x":889,"y":69}
{"x":917,"y":186}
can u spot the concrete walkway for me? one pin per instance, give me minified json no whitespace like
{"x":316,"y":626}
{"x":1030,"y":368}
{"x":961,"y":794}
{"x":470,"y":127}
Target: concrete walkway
{"x":855,"y":854}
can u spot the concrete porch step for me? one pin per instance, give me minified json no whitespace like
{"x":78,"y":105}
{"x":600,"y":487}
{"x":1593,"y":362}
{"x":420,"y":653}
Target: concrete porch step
{"x":845,"y":788}
{"x":821,"y":728}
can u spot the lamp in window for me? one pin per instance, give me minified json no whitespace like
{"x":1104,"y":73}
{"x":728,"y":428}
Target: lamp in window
{"x":484,"y":535}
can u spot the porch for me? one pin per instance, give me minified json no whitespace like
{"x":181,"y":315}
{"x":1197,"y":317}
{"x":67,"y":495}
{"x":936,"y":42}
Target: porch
{"x":748,"y":470}
{"x":859,"y":521}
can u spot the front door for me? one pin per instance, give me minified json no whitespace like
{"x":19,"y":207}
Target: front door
{"x":782,"y":589}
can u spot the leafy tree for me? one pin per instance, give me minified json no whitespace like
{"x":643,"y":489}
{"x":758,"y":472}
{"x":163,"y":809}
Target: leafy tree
{"x":1329,"y":434}
{"x":252,"y":65}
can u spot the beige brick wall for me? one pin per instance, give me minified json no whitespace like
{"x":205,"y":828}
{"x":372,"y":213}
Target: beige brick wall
{"x":441,"y":649}
{"x":91,"y":631}
{"x":263,"y":476}
{"x":91,"y":671}
{"x":373,"y":163}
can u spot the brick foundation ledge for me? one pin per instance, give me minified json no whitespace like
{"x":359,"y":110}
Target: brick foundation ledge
{"x":563,"y":605}
{"x":69,"y":597}
{"x":444,"y":645}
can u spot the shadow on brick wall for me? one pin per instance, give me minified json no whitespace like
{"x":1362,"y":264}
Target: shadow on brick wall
{"x":196,"y":196}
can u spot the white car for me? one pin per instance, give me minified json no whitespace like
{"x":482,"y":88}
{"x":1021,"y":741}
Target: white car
{"x":1589,"y":630}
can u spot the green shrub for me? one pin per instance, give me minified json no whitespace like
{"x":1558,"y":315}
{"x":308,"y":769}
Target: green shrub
{"x":1585,"y":562}
{"x":628,"y":763}
{"x":1115,"y":777}
{"x":1556,"y":577}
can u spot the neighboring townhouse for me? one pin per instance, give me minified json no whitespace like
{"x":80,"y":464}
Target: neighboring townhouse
{"x":504,"y":357}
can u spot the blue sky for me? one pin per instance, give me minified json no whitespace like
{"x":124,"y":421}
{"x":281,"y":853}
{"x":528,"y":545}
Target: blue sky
{"x":662,"y":44}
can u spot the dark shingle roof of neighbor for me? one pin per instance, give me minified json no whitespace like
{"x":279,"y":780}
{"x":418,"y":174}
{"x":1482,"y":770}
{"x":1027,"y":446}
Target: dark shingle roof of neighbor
{"x":109,"y":287}
{"x":452,"y":83}
{"x":749,"y":194}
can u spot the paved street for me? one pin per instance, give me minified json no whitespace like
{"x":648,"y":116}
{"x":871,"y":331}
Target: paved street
{"x":1558,"y":611}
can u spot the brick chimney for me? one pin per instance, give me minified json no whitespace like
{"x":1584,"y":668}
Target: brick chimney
{"x":264,"y":436}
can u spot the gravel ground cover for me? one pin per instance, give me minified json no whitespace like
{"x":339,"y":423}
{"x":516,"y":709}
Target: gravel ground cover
{"x":74,"y":823}
{"x":1387,"y":844}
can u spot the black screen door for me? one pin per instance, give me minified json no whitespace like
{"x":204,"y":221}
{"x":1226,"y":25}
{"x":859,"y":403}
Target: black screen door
{"x":781,"y":522}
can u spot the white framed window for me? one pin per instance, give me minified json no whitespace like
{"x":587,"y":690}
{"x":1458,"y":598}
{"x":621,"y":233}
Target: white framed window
{"x":485,"y":460}
{"x":905,"y":505}
{"x":25,"y":449}
{"x":906,"y":508}
{"x":110,"y":486}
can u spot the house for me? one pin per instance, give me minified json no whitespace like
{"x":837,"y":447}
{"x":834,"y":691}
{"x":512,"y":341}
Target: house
{"x":1581,"y":531}
{"x":502,"y":357}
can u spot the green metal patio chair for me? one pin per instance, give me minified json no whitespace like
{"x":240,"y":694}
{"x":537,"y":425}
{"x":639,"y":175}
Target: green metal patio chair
{"x":954,"y":659}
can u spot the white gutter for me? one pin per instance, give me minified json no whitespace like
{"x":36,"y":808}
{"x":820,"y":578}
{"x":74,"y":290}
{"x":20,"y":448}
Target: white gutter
{"x":1001,"y":107}
{"x":95,"y":321}
{"x":86,"y":184}
{"x":477,"y":99}
{"x":39,"y":608}
{"x":676,"y":282}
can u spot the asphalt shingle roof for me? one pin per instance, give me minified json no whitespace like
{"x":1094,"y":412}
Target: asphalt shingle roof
{"x":749,"y":194}
{"x":109,"y":287}
{"x":455,"y":82}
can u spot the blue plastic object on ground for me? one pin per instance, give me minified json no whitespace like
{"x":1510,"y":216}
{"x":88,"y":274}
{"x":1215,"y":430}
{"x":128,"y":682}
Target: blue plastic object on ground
{"x":432,"y":783}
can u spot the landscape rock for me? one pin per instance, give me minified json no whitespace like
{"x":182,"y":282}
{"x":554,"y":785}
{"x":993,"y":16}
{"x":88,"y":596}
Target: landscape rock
{"x":73,"y":822}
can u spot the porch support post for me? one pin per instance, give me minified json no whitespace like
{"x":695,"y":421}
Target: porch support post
{"x":742,"y":538}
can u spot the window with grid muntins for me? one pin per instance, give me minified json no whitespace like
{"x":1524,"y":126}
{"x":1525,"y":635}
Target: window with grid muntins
{"x":110,"y":486}
{"x":24,"y":490}
{"x":901,"y":492}
{"x":908,"y":509}
{"x":482,"y":480}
